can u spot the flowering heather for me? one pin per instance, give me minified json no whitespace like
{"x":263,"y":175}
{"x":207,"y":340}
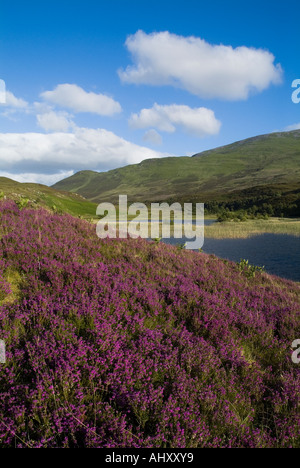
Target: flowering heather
{"x":129,"y":343}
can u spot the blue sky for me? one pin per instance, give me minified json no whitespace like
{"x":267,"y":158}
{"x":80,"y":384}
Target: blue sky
{"x":201,"y":75}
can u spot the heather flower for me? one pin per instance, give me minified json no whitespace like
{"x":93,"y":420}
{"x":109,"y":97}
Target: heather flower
{"x":129,"y":343}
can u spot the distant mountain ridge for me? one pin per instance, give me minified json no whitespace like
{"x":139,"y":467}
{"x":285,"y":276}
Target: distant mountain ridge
{"x":251,"y":141}
{"x":262,"y":163}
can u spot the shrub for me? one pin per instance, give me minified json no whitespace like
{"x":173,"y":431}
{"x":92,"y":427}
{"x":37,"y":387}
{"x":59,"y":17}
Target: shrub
{"x":121,"y":343}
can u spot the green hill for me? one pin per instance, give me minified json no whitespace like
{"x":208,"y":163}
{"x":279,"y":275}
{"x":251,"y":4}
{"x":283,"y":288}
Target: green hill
{"x":258,"y":169}
{"x":47,"y":197}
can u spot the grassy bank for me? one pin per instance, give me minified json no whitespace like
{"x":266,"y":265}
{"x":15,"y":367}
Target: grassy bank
{"x":242,"y":230}
{"x":37,"y":195}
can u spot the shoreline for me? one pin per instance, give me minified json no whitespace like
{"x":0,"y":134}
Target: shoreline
{"x":246,"y":229}
{"x":251,"y":228}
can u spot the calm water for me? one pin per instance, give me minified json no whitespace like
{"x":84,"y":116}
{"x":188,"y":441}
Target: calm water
{"x":279,"y":254}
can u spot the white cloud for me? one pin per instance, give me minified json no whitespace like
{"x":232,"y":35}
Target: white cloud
{"x":2,"y":92}
{"x":290,"y":128}
{"x":13,"y":101}
{"x":199,"y":121}
{"x":203,"y":69}
{"x":55,"y":121}
{"x":152,"y":137}
{"x":73,"y":97}
{"x":41,"y":108}
{"x":40,"y":154}
{"x":12,"y":105}
{"x":45,"y":179}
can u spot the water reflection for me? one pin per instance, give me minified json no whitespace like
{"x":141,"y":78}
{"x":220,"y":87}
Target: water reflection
{"x":279,"y":254}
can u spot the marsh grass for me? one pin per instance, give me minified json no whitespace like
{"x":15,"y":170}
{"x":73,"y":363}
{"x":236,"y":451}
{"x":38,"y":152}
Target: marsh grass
{"x":243,"y":230}
{"x":246,"y":229}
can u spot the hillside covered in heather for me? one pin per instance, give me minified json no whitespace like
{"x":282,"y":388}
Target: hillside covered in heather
{"x":137,"y":344}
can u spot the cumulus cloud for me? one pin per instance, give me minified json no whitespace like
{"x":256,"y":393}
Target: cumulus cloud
{"x":12,"y":105}
{"x":45,"y":179}
{"x":152,"y":137}
{"x":199,"y":121}
{"x":203,"y":69}
{"x":54,"y":153}
{"x":2,"y":92}
{"x":17,"y":103}
{"x":55,"y":121}
{"x":73,"y":97}
{"x":290,"y":128}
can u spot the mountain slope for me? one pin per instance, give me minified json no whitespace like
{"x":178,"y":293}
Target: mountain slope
{"x":47,"y":197}
{"x":129,"y":343}
{"x":266,"y":161}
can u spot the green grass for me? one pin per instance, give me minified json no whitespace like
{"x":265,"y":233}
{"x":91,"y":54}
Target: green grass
{"x":243,"y":230}
{"x":267,"y":161}
{"x":14,"y":279}
{"x":47,"y":197}
{"x":239,"y":230}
